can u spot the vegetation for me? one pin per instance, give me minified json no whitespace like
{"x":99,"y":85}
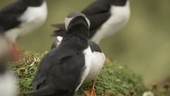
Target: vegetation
{"x":114,"y":80}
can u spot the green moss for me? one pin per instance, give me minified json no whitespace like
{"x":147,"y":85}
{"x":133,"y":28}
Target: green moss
{"x":114,"y":80}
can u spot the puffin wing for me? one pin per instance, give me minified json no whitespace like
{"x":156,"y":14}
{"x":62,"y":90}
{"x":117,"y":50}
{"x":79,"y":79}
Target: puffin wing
{"x":94,"y":46}
{"x":98,"y":12}
{"x":9,"y":15}
{"x":97,"y":20}
{"x":98,"y":6}
{"x":60,"y":75}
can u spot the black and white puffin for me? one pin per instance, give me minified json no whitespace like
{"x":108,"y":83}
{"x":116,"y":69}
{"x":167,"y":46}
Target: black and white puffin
{"x":17,"y":19}
{"x":98,"y":60}
{"x":106,"y":18}
{"x":20,"y":18}
{"x":97,"y":56}
{"x":63,"y":70}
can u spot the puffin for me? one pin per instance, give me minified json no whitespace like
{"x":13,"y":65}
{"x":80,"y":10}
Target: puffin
{"x":19,"y":18}
{"x":98,"y":60}
{"x":16,"y":20}
{"x":106,"y":17}
{"x":63,"y":69}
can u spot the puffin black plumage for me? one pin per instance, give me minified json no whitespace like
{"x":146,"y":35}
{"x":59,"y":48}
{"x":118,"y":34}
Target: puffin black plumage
{"x":62,"y":71}
{"x":20,"y":18}
{"x":106,"y":18}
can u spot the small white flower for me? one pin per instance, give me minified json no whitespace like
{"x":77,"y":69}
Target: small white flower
{"x":148,"y":93}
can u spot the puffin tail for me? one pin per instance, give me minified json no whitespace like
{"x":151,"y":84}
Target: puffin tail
{"x":60,"y":29}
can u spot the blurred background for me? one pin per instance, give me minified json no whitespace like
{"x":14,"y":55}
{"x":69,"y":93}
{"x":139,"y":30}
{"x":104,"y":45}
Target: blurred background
{"x":143,"y":45}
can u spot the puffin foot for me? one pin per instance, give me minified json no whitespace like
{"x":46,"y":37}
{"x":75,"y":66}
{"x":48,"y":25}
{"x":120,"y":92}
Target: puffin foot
{"x":91,"y":92}
{"x":15,"y":51}
{"x":108,"y":61}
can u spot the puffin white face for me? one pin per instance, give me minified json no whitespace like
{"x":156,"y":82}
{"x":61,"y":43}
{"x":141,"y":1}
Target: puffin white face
{"x":73,"y":16}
